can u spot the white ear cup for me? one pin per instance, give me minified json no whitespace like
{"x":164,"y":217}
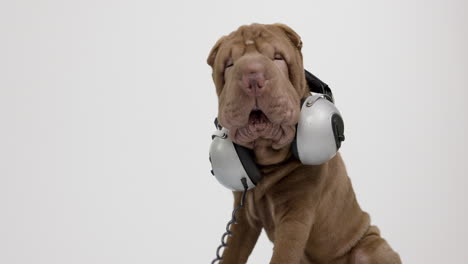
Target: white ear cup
{"x":319,"y":131}
{"x":226,"y":163}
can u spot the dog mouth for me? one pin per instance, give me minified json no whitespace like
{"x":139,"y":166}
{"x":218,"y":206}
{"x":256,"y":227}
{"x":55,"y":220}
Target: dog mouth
{"x":260,"y":130}
{"x":257,"y":119}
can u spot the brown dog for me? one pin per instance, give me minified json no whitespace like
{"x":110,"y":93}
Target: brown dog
{"x":310,"y":213}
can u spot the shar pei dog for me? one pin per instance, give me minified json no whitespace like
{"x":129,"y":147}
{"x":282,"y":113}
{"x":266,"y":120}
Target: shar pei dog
{"x":310,"y":213}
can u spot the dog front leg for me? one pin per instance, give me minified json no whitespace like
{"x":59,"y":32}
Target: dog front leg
{"x":243,"y":239}
{"x":291,"y":237}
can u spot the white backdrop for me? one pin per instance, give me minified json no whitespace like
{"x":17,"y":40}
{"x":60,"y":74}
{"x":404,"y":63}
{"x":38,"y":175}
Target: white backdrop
{"x":106,"y":110}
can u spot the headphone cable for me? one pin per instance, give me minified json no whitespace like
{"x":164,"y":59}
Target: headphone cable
{"x":231,"y":222}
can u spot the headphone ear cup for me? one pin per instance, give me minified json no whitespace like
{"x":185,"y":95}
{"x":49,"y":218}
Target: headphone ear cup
{"x":319,"y":131}
{"x":231,"y":162}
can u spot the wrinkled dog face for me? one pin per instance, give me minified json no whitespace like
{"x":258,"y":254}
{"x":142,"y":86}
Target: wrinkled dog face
{"x":259,"y":80}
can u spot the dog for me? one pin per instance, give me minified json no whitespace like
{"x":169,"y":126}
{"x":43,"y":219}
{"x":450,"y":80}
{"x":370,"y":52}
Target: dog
{"x":310,"y":213}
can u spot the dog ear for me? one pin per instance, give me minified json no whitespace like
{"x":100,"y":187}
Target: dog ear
{"x":214,"y":51}
{"x":291,"y":34}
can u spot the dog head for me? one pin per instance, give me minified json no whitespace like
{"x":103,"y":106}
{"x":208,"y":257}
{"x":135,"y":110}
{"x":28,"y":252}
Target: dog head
{"x":259,"y":78}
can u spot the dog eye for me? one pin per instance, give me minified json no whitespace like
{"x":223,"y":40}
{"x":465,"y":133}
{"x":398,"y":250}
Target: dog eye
{"x":229,"y":63}
{"x":278,"y":56}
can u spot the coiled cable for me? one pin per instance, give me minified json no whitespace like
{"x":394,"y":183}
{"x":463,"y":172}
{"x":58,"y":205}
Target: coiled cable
{"x":231,"y":222}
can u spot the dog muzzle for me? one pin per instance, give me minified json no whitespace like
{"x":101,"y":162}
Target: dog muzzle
{"x":319,"y":134}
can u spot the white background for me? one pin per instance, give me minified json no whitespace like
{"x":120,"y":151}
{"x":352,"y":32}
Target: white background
{"x":106,"y":111}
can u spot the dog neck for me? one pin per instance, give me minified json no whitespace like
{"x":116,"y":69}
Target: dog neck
{"x":266,"y":155}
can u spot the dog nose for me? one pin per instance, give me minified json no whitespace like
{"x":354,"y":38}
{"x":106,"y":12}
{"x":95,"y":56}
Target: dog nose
{"x":253,"y":79}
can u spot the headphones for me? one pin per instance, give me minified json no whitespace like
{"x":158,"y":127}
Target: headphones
{"x":319,"y":134}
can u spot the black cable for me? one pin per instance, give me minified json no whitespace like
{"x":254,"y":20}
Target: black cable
{"x":233,"y":221}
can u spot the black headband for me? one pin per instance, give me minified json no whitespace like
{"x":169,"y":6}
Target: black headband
{"x":317,"y":86}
